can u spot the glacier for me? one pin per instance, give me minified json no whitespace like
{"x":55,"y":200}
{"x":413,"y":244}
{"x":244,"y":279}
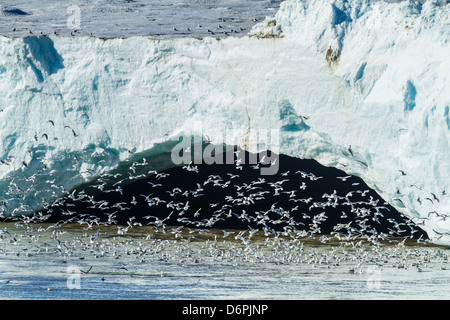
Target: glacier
{"x":326,"y":75}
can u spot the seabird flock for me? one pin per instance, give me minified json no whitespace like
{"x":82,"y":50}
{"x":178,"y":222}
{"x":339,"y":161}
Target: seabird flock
{"x":196,"y":196}
{"x":228,"y":213}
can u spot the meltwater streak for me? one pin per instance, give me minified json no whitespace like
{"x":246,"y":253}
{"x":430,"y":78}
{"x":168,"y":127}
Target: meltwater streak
{"x":327,"y":74}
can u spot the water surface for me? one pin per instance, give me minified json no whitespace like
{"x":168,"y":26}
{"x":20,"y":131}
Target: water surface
{"x":47,"y":261}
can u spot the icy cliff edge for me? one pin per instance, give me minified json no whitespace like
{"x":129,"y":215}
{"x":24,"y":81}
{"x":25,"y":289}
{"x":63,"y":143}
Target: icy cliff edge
{"x":327,"y":76}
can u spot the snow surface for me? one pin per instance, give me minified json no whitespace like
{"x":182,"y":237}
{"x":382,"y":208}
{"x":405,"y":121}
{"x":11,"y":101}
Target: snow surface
{"x":383,"y":90}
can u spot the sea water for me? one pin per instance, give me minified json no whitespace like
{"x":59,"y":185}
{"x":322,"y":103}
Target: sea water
{"x":51,"y":261}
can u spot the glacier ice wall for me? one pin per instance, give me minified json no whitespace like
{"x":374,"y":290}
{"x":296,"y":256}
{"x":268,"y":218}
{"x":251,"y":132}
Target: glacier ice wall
{"x":326,"y":74}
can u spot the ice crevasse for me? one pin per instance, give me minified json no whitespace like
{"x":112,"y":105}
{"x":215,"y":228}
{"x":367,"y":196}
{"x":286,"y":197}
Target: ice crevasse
{"x":326,"y":75}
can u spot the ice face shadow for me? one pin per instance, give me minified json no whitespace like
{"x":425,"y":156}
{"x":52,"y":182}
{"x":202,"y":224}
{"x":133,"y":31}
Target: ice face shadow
{"x":43,"y":50}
